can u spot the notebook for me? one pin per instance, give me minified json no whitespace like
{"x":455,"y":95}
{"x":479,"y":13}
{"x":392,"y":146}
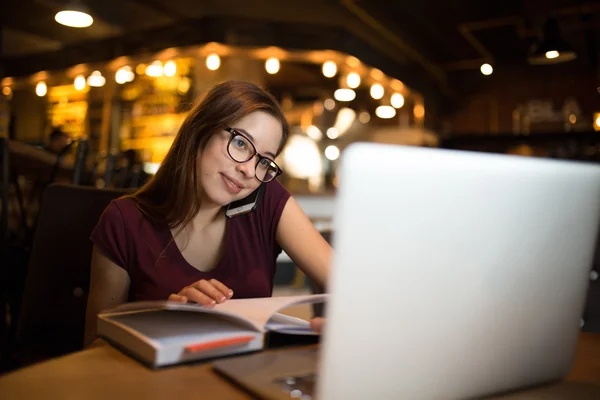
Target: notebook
{"x":161,"y":333}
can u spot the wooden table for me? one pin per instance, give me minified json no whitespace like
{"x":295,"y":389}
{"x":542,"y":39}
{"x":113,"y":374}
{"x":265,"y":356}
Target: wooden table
{"x":106,"y":373}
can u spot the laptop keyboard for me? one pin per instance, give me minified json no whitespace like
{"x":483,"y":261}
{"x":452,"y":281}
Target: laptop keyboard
{"x":298,"y":387}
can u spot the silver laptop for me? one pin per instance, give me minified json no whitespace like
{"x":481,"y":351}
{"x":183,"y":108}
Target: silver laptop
{"x":456,"y":275}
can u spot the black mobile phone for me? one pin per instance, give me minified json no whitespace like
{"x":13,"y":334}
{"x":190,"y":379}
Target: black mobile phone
{"x":245,"y":205}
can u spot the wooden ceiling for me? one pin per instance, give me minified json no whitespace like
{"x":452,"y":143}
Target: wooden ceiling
{"x":426,"y":43}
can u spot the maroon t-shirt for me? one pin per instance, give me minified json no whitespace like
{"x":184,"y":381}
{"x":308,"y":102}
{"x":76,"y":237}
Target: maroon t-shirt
{"x":157,"y":268}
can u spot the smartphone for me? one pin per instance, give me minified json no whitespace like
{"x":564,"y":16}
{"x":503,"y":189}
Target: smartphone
{"x":246,"y":205}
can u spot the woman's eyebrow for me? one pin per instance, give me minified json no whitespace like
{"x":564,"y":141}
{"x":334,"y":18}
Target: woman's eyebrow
{"x":254,"y":140}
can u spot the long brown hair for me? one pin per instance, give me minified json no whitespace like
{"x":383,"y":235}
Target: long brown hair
{"x":172,"y":196}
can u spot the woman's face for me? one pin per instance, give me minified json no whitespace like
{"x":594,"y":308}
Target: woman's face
{"x":224,"y":180}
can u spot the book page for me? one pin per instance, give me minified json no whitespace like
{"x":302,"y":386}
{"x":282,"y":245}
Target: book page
{"x":250,"y":312}
{"x":291,"y":325}
{"x":260,"y":310}
{"x":138,"y":307}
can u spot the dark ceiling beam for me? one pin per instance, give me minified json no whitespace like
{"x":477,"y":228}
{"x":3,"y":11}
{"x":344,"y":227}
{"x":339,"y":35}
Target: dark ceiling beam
{"x":233,"y":31}
{"x":161,"y":8}
{"x":468,"y":28}
{"x":591,"y":42}
{"x":36,"y":18}
{"x":534,"y":10}
{"x":415,"y":55}
{"x":34,"y":31}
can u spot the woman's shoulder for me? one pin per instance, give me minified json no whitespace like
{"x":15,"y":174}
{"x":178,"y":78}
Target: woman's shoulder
{"x":124,"y":205}
{"x":275,"y":193}
{"x":125,"y":209}
{"x":271,"y":206}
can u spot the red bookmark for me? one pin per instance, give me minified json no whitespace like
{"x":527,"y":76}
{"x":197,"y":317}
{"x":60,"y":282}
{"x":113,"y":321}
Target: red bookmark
{"x":194,"y":348}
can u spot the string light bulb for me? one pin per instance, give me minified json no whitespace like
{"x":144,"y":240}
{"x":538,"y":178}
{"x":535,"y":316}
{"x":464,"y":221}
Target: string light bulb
{"x":41,"y":89}
{"x":96,"y":79}
{"x":79,"y":82}
{"x":213,"y":62}
{"x":329,"y":69}
{"x":272,"y":65}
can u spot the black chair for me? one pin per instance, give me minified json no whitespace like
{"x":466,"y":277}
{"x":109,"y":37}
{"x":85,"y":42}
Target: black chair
{"x":4,"y":192}
{"x":52,"y":316}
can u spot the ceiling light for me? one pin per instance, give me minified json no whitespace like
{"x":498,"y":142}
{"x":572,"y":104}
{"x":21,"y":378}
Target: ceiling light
{"x":184,"y":85}
{"x":79,"y":82}
{"x":487,"y":69}
{"x":364,"y":117}
{"x":333,"y":133}
{"x":332,"y":152}
{"x":419,"y":111}
{"x":353,"y":80}
{"x":329,"y":69}
{"x":213,"y":62}
{"x":551,"y":48}
{"x":317,"y":108}
{"x":302,"y":158}
{"x":344,"y":95}
{"x":41,"y":89}
{"x":344,"y":120}
{"x":155,"y":69}
{"x":353,"y":61}
{"x":7,"y":91}
{"x":385,"y":112}
{"x":272,"y":65}
{"x":124,"y":75}
{"x":397,"y":100}
{"x":397,"y":85}
{"x":75,"y":15}
{"x":96,"y":79}
{"x":314,"y":133}
{"x":377,"y":91}
{"x":329,"y":104}
{"x":170,"y":68}
{"x":573,"y":119}
{"x":377,"y":74}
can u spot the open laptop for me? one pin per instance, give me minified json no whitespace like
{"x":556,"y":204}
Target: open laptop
{"x":456,"y":275}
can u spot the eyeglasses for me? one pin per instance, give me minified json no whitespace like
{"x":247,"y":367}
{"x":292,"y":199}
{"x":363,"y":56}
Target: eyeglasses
{"x":241,"y":150}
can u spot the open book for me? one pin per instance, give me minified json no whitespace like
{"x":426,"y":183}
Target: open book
{"x":160,"y":333}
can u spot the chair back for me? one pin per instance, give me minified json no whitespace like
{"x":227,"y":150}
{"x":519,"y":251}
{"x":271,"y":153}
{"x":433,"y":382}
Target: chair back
{"x":52,"y":317}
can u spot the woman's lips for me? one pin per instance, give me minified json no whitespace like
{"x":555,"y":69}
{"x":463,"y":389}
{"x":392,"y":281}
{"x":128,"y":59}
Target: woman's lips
{"x":231,"y":184}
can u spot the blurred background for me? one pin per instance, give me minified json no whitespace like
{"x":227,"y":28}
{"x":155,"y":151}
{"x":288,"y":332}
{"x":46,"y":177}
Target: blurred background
{"x":94,"y":91}
{"x":518,"y":76}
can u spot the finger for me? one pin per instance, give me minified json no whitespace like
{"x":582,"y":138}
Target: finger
{"x":208,"y":289}
{"x":222,"y":288}
{"x":178,"y":298}
{"x":317,"y":324}
{"x":197,"y":296}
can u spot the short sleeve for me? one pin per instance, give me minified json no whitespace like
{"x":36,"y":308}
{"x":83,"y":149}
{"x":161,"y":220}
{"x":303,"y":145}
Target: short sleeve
{"x":274,"y":200}
{"x":110,"y":236}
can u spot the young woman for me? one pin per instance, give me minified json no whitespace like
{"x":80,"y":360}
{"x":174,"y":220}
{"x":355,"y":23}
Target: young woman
{"x":172,"y":240}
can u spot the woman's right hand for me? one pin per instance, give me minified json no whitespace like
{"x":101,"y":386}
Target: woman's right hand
{"x":207,"y":293}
